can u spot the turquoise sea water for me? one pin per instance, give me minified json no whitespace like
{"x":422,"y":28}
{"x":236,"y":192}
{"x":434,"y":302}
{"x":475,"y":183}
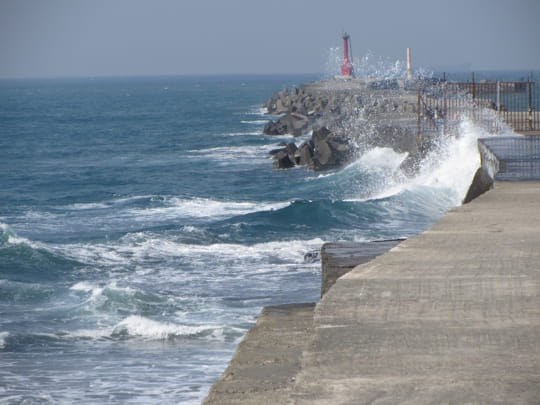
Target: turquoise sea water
{"x":142,"y":228}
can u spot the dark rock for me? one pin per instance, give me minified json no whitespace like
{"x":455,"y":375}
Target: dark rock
{"x":312,"y":257}
{"x":323,"y":155}
{"x":282,"y":161}
{"x":320,"y":135}
{"x":298,"y":125}
{"x":344,"y":116}
{"x":291,"y":151}
{"x":305,"y":154}
{"x":293,"y":123}
{"x":276,"y":127}
{"x":339,"y":146}
{"x":280,"y":153}
{"x":277,"y":151}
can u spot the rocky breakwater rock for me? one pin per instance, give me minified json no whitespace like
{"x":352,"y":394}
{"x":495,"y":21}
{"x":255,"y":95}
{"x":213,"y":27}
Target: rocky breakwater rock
{"x":300,"y":109}
{"x":325,"y":150}
{"x":292,"y":123}
{"x":346,"y":118}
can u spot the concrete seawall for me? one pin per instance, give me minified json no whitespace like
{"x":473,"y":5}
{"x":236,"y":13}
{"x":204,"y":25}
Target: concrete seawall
{"x":449,"y":316}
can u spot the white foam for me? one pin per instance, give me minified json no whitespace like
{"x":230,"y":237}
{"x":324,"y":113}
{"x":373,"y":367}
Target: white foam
{"x":82,"y":286}
{"x":99,"y":333}
{"x":104,"y":204}
{"x":132,"y":198}
{"x":230,"y":154}
{"x":97,"y":290}
{"x":143,"y":249}
{"x":86,"y":206}
{"x":451,"y":166}
{"x":14,"y":239}
{"x":4,"y":228}
{"x":257,"y":110}
{"x":203,"y":208}
{"x":455,"y":162}
{"x":93,"y":254}
{"x":3,"y":336}
{"x":138,"y":326}
{"x":290,"y":251}
{"x":87,"y":287}
{"x":252,"y":133}
{"x":382,"y":158}
{"x":162,"y":209}
{"x":5,"y":233}
{"x":255,"y":122}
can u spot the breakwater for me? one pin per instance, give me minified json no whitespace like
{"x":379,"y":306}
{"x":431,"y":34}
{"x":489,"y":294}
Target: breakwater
{"x":346,"y":117}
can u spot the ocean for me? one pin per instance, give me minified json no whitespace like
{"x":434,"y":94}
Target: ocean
{"x":143,"y":228}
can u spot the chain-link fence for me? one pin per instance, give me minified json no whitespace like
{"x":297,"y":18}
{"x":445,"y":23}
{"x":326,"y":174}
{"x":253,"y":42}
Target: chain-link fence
{"x":442,"y":105}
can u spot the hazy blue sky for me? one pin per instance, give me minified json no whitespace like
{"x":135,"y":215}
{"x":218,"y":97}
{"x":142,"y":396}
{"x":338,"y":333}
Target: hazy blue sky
{"x":42,"y":38}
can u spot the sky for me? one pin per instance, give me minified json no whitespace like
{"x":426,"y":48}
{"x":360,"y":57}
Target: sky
{"x":90,"y":38}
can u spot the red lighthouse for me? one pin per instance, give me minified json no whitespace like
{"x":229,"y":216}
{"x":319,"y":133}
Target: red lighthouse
{"x":346,"y":65}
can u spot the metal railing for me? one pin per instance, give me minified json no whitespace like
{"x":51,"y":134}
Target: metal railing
{"x":518,"y":156}
{"x":442,"y":105}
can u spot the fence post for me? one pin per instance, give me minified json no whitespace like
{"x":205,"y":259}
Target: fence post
{"x":499,"y":97}
{"x":418,"y":110}
{"x":445,"y":108}
{"x":473,"y":87}
{"x":530,"y":106}
{"x":498,"y":106}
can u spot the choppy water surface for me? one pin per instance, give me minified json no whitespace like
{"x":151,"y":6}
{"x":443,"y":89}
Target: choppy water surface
{"x":142,"y":228}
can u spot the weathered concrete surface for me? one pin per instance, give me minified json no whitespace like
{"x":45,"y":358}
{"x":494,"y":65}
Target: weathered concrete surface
{"x":451,"y":316}
{"x":263,"y":369}
{"x":338,"y":258}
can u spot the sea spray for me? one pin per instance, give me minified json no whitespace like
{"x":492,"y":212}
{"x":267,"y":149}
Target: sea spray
{"x":453,"y":164}
{"x":450,"y":166}
{"x":372,"y":66}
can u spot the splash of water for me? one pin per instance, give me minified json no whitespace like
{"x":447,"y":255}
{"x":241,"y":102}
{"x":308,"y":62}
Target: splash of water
{"x":451,"y":165}
{"x":372,"y":66}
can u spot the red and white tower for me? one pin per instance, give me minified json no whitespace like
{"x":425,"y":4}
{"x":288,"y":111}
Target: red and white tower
{"x":346,"y":65}
{"x":409,"y":71}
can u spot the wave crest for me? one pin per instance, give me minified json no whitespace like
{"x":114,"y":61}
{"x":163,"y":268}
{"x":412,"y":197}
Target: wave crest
{"x":145,"y":328}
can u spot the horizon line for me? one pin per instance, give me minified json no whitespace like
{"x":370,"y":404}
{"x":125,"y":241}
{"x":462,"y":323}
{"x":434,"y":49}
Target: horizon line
{"x":172,"y":75}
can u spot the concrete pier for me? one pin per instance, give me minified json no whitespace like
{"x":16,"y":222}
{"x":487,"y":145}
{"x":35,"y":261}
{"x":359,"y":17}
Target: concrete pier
{"x":450,"y":316}
{"x":338,"y":258}
{"x":263,"y":369}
